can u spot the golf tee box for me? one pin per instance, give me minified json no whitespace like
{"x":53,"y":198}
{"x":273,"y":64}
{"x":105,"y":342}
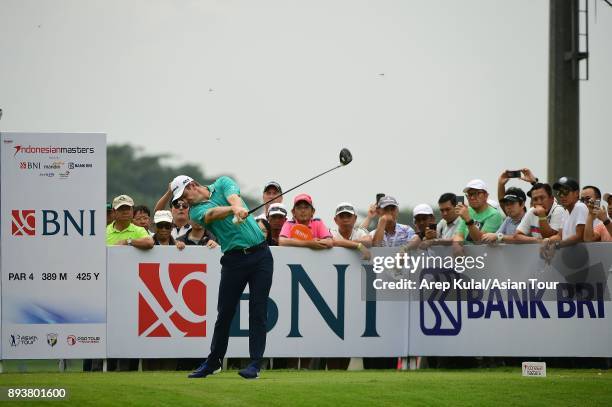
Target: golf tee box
{"x":534,"y":369}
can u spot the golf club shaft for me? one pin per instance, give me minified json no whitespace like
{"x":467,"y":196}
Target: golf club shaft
{"x":289,"y":190}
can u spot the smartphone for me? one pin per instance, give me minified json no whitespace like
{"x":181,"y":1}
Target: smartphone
{"x":432,"y":226}
{"x":597,"y":203}
{"x":378,"y":196}
{"x":460,"y":199}
{"x":513,"y":174}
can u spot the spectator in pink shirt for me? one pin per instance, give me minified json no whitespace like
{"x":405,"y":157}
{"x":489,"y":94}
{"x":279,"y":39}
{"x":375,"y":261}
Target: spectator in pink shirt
{"x":316,"y":236}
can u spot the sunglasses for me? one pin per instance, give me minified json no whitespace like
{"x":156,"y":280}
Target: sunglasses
{"x":180,"y":205}
{"x":473,"y":194}
{"x":163,"y":225}
{"x":563,"y":192}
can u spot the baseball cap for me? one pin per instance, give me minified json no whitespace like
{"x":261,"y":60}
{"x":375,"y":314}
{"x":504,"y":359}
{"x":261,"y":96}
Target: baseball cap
{"x":345,"y":207}
{"x":566,"y":182}
{"x":162,"y":216}
{"x":302,"y":197}
{"x":387,"y":201}
{"x":273,"y":184}
{"x":422,"y":209}
{"x":122,"y":200}
{"x":476,"y":184}
{"x":277,"y":209}
{"x":178,"y":186}
{"x":514,"y":194}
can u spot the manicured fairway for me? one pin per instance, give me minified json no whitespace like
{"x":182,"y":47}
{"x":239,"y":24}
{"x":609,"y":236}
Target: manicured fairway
{"x":503,"y":386}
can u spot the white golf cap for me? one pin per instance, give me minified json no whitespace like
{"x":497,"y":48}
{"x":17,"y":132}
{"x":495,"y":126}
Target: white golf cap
{"x":277,"y":209}
{"x":422,"y":209}
{"x":476,"y":184}
{"x":178,"y":186}
{"x":162,"y":216}
{"x":122,"y":200}
{"x":345,"y":207}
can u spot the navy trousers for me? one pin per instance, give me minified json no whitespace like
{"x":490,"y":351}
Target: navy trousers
{"x":238,"y":270}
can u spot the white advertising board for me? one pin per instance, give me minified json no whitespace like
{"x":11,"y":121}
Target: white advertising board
{"x":162,"y":303}
{"x":53,"y":245}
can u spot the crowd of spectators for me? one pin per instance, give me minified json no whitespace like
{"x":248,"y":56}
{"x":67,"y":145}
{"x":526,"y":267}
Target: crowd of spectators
{"x":554,"y":216}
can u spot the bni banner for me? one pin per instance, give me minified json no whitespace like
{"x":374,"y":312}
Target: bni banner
{"x":53,"y":245}
{"x":162,"y":304}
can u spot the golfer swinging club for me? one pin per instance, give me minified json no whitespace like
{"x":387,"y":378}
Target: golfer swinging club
{"x":246,"y":259}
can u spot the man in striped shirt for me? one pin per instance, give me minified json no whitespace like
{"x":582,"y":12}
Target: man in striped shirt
{"x":388,"y":232}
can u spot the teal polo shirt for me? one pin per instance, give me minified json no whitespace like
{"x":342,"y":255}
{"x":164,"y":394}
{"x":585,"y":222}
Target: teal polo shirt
{"x":230,"y":236}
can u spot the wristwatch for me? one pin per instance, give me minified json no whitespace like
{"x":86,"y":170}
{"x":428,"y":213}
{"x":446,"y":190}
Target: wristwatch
{"x":129,"y":242}
{"x":469,"y":222}
{"x":500,"y":237}
{"x":606,"y":222}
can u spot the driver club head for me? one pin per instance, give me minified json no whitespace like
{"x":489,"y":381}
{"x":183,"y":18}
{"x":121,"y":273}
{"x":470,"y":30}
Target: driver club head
{"x":345,"y":156}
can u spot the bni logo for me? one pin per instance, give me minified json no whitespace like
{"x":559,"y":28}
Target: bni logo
{"x":441,"y":320}
{"x":24,"y":222}
{"x":53,"y":222}
{"x":172,"y":300}
{"x":29,"y":165}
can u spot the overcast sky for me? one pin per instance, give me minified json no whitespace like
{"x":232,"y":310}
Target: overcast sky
{"x":426,"y":94}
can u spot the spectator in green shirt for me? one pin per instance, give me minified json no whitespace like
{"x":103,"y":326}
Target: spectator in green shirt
{"x":122,"y":231}
{"x":479,"y":217}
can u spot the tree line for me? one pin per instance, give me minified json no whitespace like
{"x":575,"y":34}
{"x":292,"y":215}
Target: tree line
{"x":144,"y":177}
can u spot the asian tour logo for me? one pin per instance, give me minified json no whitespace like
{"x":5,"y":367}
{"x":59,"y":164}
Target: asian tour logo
{"x":16,"y":340}
{"x":24,"y":222}
{"x":172,"y":300}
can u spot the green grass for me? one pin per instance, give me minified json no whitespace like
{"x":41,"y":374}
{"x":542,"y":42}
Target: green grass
{"x":502,"y":386}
